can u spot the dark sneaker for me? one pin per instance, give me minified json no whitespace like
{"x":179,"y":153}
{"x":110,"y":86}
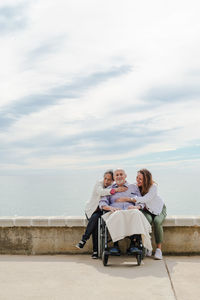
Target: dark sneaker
{"x":132,"y":250}
{"x":94,"y":255}
{"x":114,"y":251}
{"x":81,"y":244}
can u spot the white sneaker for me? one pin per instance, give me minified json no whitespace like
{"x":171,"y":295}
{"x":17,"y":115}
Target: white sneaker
{"x":158,"y":254}
{"x":149,"y":253}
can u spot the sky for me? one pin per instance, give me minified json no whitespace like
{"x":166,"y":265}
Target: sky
{"x":91,"y":85}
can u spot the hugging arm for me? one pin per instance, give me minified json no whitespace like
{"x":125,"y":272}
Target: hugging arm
{"x":137,"y":205}
{"x":148,"y":196}
{"x":109,"y":191}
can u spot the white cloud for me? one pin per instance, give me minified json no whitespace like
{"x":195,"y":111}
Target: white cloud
{"x":63,"y":43}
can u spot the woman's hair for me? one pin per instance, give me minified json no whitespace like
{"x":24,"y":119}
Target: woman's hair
{"x":147,"y":181}
{"x":109,"y":172}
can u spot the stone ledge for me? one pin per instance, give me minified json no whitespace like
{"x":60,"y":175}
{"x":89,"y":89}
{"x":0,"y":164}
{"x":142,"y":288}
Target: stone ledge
{"x":59,"y":235}
{"x":80,"y":221}
{"x":7,"y":222}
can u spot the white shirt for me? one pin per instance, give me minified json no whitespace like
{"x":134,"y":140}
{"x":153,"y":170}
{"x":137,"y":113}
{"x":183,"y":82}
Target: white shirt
{"x":97,"y":193}
{"x":152,"y":201}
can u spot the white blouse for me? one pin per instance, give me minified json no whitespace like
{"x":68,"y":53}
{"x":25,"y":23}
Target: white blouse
{"x":98,"y":191}
{"x":152,"y":201}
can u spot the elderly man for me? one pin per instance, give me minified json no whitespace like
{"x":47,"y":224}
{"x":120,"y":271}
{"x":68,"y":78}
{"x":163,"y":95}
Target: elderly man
{"x":93,"y":212}
{"x":114,"y":203}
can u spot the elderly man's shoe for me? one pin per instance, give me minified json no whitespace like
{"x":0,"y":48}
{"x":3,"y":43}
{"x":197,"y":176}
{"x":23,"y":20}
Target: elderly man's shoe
{"x":132,"y":250}
{"x":115,"y":251}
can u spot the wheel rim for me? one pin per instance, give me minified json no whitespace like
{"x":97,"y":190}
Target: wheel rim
{"x":105,"y":258}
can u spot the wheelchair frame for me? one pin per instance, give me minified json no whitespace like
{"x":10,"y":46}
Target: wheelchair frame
{"x":103,"y":249}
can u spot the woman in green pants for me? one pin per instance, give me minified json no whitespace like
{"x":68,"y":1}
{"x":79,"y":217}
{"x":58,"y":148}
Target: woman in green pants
{"x":155,"y":209}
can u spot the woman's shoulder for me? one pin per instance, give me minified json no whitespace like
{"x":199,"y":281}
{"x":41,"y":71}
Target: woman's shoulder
{"x":154,"y":186}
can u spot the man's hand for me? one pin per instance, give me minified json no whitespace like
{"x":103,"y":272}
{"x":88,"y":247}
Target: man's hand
{"x":134,"y":207}
{"x":121,"y":189}
{"x":122,"y":199}
{"x":113,"y":209}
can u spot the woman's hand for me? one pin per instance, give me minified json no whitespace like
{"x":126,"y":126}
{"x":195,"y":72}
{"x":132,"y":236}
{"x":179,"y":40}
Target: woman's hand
{"x":132,"y":200}
{"x":122,"y":199}
{"x":121,"y":189}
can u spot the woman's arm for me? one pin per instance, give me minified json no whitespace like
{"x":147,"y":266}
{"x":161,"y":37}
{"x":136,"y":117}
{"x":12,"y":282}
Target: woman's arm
{"x":101,"y":191}
{"x":109,"y":191}
{"x":148,"y":196}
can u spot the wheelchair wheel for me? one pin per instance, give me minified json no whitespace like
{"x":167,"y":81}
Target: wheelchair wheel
{"x":101,"y":237}
{"x":144,"y":250}
{"x":139,"y":258}
{"x":105,"y":258}
{"x":101,"y":246}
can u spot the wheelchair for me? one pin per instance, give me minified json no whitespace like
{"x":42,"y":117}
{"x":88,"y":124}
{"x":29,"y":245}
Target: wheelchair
{"x":104,"y":240}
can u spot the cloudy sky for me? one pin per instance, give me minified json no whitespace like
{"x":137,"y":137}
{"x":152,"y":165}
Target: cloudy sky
{"x":98,"y":84}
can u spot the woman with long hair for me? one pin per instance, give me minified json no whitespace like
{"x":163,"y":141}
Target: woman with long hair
{"x":154,"y":210}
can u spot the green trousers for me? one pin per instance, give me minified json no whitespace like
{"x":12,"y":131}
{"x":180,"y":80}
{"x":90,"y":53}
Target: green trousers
{"x":157,"y":223}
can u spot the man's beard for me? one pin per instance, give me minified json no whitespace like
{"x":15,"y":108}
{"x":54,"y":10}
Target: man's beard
{"x":120,"y":181}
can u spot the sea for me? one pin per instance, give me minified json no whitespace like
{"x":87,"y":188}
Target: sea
{"x":66,"y":194}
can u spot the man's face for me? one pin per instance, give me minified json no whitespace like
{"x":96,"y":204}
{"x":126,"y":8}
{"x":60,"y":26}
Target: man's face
{"x":107,"y":180}
{"x":120,"y":177}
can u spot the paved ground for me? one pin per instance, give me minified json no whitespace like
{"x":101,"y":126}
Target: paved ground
{"x":80,"y":277}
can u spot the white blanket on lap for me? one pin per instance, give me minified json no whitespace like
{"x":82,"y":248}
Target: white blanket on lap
{"x":122,"y":223}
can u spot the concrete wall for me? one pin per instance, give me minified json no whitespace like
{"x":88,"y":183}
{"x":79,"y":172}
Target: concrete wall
{"x":59,"y":235}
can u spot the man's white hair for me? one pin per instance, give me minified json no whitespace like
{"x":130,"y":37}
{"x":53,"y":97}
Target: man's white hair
{"x":119,"y":169}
